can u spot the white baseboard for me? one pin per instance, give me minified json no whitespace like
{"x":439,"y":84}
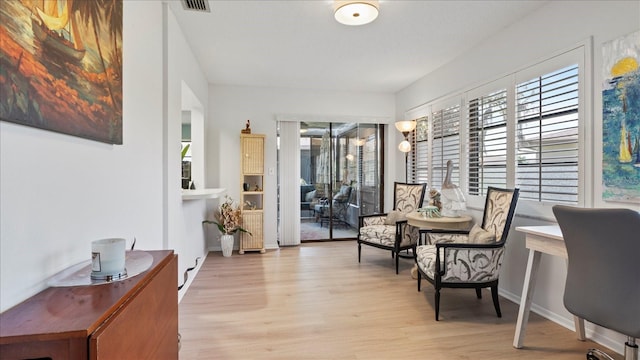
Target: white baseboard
{"x":235,"y":248}
{"x":592,"y":332}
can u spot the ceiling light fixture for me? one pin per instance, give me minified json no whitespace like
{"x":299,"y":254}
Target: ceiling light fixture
{"x":356,"y":12}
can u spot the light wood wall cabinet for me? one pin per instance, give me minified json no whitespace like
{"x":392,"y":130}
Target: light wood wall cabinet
{"x":252,"y":190}
{"x":135,"y":318}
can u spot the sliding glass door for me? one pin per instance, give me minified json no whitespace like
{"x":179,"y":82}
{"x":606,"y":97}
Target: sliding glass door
{"x":340,"y":178}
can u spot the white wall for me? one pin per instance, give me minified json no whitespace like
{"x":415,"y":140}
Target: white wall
{"x":553,"y":28}
{"x":231,"y":106}
{"x":186,"y":89}
{"x":60,"y":192}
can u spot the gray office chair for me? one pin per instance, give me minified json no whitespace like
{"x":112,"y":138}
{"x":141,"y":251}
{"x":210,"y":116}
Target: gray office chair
{"x":603,"y":276}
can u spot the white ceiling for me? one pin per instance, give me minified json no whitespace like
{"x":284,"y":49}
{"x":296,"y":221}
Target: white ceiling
{"x":298,"y":44}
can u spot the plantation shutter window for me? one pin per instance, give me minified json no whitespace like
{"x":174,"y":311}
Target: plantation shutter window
{"x":446,"y":144}
{"x":547,"y":150}
{"x":487,"y":142}
{"x":524,"y":130}
{"x":419,"y":157}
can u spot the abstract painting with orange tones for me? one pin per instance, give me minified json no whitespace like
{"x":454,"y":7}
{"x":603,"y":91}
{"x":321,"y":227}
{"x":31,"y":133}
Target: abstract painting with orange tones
{"x":61,"y":66}
{"x":621,"y":119}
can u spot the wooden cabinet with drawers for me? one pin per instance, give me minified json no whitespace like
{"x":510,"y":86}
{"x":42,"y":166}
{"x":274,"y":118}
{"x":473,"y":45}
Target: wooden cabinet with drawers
{"x":135,"y":318}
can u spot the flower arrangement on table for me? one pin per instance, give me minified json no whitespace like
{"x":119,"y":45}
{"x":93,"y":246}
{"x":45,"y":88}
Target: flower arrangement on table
{"x":228,"y":218}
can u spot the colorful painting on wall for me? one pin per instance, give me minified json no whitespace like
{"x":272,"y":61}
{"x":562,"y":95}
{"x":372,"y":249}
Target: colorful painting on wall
{"x":621,"y":119}
{"x":61,"y":66}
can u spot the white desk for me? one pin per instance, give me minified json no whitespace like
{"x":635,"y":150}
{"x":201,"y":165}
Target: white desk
{"x":539,"y":240}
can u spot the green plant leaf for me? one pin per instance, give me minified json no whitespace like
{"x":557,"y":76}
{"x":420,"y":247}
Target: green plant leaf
{"x":184,"y":151}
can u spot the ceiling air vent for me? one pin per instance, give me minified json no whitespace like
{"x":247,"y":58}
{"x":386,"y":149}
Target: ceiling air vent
{"x":196,"y":5}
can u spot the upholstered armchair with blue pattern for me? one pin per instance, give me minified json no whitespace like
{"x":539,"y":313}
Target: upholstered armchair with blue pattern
{"x":390,"y":231}
{"x":471,"y":259}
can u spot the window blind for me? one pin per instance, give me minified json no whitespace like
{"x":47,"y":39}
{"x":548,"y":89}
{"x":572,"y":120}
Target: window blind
{"x":446,"y":144}
{"x":547,"y":136}
{"x":369,"y":156}
{"x":289,"y":178}
{"x":487,"y":142}
{"x":418,"y":158}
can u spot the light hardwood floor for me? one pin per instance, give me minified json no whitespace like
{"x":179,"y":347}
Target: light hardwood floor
{"x":316,"y":302}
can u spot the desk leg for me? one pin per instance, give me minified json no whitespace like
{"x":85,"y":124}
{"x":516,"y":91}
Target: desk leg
{"x":527,"y":295}
{"x":579,"y":323}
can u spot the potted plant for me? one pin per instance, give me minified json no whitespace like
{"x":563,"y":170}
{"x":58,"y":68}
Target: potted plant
{"x":186,"y":167}
{"x":228,"y":218}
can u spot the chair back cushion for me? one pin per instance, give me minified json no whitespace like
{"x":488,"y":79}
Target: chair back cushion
{"x":310,"y":195}
{"x":498,"y":211}
{"x":408,"y":197}
{"x":603,"y":273}
{"x":478,"y":235}
{"x":304,"y":190}
{"x":393,"y":216}
{"x":343,"y":194}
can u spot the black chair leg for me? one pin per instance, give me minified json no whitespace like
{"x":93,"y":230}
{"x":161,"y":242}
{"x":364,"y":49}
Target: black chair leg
{"x":437,"y":303}
{"x":397,"y":262}
{"x":359,"y":251}
{"x":479,"y":293}
{"x":496,"y":303}
{"x":419,"y":280}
